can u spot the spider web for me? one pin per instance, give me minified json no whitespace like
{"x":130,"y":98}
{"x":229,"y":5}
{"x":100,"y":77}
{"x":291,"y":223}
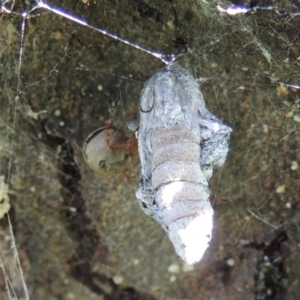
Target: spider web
{"x":61,"y":80}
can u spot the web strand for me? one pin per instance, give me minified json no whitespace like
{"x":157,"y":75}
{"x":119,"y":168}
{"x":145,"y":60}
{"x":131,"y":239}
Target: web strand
{"x":163,"y":58}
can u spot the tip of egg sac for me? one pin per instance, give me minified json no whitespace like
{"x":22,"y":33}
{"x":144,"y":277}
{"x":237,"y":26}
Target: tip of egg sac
{"x":191,"y":236}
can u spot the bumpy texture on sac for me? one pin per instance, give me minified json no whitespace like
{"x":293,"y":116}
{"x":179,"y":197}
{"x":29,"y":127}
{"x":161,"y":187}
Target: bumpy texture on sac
{"x":179,"y":142}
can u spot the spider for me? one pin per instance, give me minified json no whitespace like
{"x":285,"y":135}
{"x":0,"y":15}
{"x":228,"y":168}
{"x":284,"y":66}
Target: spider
{"x":108,"y":151}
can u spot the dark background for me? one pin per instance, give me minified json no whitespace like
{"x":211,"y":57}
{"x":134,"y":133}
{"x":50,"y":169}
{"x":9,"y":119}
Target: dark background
{"x":73,"y":231}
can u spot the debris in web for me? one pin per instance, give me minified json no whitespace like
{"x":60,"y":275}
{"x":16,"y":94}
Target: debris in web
{"x":243,"y":9}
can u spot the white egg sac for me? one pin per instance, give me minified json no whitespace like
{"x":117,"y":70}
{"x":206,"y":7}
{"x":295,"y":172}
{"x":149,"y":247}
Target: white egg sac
{"x":179,"y":143}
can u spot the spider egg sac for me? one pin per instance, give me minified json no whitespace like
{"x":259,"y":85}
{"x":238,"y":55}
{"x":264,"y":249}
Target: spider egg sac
{"x":179,"y":143}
